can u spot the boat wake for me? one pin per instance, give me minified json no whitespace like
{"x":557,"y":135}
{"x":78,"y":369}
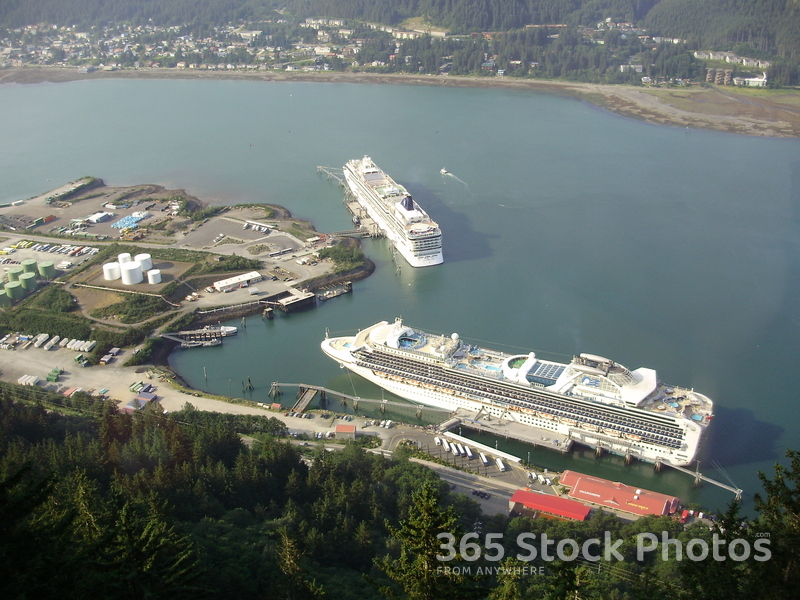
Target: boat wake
{"x":447,"y":173}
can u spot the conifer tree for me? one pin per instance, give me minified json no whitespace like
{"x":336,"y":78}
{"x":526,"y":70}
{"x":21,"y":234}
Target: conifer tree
{"x":418,"y":571}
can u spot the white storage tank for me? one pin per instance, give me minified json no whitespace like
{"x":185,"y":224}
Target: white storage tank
{"x":154,"y":276}
{"x":111,"y":271}
{"x":123,"y":258}
{"x":145,"y":261}
{"x":131,"y":273}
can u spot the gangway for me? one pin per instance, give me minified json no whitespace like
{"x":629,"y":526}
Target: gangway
{"x":698,"y":477}
{"x":305,"y":396}
{"x":331,"y":174}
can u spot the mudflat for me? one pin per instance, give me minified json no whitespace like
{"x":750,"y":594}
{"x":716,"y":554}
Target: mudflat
{"x":762,"y":112}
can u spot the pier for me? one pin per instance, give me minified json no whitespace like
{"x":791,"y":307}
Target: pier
{"x":365,"y":226}
{"x":354,"y":400}
{"x":212,"y":311}
{"x":287,"y":301}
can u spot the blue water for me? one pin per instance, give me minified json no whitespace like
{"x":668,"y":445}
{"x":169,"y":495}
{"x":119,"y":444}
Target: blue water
{"x":566,"y":229}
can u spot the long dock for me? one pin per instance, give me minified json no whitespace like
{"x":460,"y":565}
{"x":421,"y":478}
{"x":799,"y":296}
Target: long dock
{"x":304,"y":388}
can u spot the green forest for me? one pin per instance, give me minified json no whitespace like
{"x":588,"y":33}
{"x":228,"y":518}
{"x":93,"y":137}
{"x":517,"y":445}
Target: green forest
{"x":95,"y":503}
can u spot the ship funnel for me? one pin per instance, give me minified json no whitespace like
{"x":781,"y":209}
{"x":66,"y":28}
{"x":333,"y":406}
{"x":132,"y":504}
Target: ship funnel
{"x":408,"y":203}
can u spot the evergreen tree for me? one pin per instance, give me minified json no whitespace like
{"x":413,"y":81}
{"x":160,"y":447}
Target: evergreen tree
{"x":417,"y":570}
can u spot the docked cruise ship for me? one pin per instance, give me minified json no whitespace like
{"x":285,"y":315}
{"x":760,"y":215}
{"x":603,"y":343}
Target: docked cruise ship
{"x":592,"y":400}
{"x":389,"y":204}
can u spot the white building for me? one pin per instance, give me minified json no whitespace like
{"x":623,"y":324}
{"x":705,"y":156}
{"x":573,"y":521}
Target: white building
{"x":234,"y":282}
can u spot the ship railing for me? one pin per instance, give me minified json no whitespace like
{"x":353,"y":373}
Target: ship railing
{"x":559,"y":409}
{"x":670,"y":439}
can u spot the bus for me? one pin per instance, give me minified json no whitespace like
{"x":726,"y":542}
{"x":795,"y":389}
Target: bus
{"x":454,"y":449}
{"x":461,"y":450}
{"x":484,"y":460}
{"x":446,"y":445}
{"x":500,"y":465}
{"x":469,"y":453}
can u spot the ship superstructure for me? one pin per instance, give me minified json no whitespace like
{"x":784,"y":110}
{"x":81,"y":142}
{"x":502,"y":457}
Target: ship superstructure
{"x":592,"y":400}
{"x":415,"y":235}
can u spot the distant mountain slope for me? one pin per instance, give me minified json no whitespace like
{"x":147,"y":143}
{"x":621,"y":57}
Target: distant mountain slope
{"x":465,"y":15}
{"x":16,"y":13}
{"x":476,"y":15}
{"x":765,"y":26}
{"x":769,"y":26}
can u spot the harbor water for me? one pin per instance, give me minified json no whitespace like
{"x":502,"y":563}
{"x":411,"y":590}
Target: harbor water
{"x":566,"y":229}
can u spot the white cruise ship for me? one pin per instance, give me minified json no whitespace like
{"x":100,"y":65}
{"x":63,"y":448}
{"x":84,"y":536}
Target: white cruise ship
{"x":592,"y":400}
{"x":414,"y":234}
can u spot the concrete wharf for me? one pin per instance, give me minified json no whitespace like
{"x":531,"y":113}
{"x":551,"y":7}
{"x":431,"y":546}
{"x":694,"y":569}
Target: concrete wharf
{"x":366,"y":227}
{"x":484,"y":423}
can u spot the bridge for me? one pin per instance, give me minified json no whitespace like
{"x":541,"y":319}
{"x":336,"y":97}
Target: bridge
{"x":306,"y":393}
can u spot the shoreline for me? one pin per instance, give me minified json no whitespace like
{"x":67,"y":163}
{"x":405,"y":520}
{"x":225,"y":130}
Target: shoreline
{"x":757,"y":112}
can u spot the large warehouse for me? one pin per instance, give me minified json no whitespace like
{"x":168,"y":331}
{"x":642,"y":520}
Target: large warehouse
{"x":618,"y":496}
{"x":544,"y":505}
{"x":235,"y":282}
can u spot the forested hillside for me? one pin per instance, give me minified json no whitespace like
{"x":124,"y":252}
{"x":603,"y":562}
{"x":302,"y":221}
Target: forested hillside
{"x":764,"y":27}
{"x":99,"y":504}
{"x":16,"y":13}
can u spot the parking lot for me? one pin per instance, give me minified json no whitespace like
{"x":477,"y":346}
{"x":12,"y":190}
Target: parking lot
{"x":56,"y":252}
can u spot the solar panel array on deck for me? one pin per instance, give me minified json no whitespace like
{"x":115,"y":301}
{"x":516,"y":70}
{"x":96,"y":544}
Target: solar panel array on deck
{"x":548,"y":371}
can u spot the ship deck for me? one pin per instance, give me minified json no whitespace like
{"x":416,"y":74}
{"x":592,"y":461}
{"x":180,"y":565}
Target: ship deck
{"x":669,"y":401}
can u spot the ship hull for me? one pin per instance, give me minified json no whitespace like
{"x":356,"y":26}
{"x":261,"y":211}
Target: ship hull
{"x":373,"y":205}
{"x":439,"y":396}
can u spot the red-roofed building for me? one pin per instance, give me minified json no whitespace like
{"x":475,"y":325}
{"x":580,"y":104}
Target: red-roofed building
{"x":544,"y":505}
{"x":345,"y":432}
{"x":617,"y":496}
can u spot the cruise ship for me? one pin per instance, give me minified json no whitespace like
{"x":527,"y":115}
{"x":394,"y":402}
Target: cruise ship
{"x":592,"y":400}
{"x":389,"y":204}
